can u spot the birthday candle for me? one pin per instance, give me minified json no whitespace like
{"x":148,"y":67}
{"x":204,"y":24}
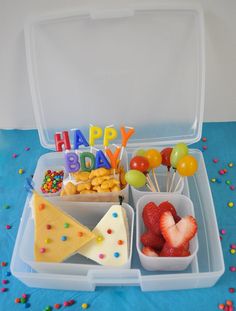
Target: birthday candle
{"x":101,"y":160}
{"x":62,"y":140}
{"x":110,"y":133}
{"x":71,"y":161}
{"x":113,"y":156}
{"x":125,"y":137}
{"x":95,"y":133}
{"x":84,"y":165}
{"x":79,"y":139}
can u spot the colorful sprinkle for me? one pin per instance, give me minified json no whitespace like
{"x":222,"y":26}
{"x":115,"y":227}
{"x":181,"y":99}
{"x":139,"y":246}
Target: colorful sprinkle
{"x":109,"y":231}
{"x":8,"y":273}
{"x":223,"y":231}
{"x":204,"y":139}
{"x":3,"y":263}
{"x":23,"y":300}
{"x":101,"y":256}
{"x":47,"y":240}
{"x":27,"y":148}
{"x":215,"y":160}
{"x":48,"y":308}
{"x":233,"y":246}
{"x":48,"y":227}
{"x":17,"y":300}
{"x":232,"y":290}
{"x":100,"y":238}
{"x":204,"y":147}
{"x":41,"y":206}
{"x":24,"y":296}
{"x":66,"y":225}
{"x":21,"y":171}
{"x":230,"y":164}
{"x":6,"y":206}
{"x":218,"y":181}
{"x":14,"y":155}
{"x":221,"y":172}
{"x":116,"y":254}
{"x":3,"y":289}
{"x":232,"y":187}
{"x":27,"y":305}
{"x":66,"y":304}
{"x":64,"y":238}
{"x":115,"y":215}
{"x":80,"y":234}
{"x":213,"y":180}
{"x":232,"y":251}
{"x":232,"y":268}
{"x":8,"y":227}
{"x":228,"y":182}
{"x":230,"y":204}
{"x":221,"y":306}
{"x":84,"y":306}
{"x":57,"y":306}
{"x":71,"y":302}
{"x":120,"y":242}
{"x":42,"y":250}
{"x":5,"y":282}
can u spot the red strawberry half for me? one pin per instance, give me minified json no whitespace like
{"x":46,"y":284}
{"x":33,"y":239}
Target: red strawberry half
{"x":152,"y":213}
{"x":148,"y":251}
{"x":169,"y":251}
{"x":151,"y":239}
{"x":177,"y":234}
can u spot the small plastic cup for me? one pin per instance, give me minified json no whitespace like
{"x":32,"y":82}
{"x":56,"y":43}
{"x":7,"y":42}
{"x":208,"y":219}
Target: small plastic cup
{"x":184,"y":207}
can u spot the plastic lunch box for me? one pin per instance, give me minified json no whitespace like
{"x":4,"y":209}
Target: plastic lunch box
{"x":142,"y":66}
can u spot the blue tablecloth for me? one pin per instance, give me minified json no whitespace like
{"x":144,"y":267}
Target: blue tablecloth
{"x":220,"y":144}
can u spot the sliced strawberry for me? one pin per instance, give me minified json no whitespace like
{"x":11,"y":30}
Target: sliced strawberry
{"x":177,"y":234}
{"x":148,"y":251}
{"x":151,"y":239}
{"x":169,"y":251}
{"x":152,"y":213}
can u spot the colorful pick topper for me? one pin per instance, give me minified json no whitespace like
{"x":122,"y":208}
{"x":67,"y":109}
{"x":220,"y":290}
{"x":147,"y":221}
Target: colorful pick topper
{"x":110,"y":133}
{"x":187,"y":166}
{"x":165,"y":154}
{"x":139,"y":163}
{"x":126,"y":135}
{"x":179,"y":151}
{"x":71,"y":161}
{"x":62,"y":139}
{"x":95,"y":133}
{"x":113,"y":157}
{"x":101,"y":160}
{"x":154,"y":158}
{"x":79,"y":139}
{"x":135,"y":178}
{"x":87,"y":166}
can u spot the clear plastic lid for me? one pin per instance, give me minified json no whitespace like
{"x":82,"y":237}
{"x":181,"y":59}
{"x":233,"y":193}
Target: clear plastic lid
{"x":142,"y":67}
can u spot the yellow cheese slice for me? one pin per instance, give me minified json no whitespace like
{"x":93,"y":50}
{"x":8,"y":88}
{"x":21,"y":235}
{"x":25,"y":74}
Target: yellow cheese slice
{"x":110,"y":248}
{"x":57,"y":235}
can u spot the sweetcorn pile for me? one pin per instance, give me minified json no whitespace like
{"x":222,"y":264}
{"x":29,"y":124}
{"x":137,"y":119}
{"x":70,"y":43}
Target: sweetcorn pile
{"x":97,"y":181}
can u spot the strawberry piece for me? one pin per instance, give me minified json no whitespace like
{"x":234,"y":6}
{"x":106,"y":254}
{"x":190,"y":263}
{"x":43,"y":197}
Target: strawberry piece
{"x":151,"y":239}
{"x":169,"y":251}
{"x":148,"y":251}
{"x":177,"y":234}
{"x":152,"y":213}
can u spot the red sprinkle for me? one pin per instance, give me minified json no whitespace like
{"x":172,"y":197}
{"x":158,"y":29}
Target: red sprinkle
{"x":3,"y":264}
{"x":232,"y":268}
{"x":215,"y":160}
{"x":57,"y":306}
{"x":231,"y":290}
{"x":71,"y":302}
{"x":232,"y":187}
{"x":109,"y":231}
{"x":221,"y":172}
{"x":49,"y":227}
{"x":66,"y":304}
{"x":8,"y":227}
{"x":233,"y":246}
{"x":4,"y":281}
{"x":204,"y":147}
{"x":204,"y":139}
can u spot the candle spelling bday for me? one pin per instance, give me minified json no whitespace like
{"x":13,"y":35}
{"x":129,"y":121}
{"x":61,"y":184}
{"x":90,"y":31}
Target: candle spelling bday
{"x":87,"y":161}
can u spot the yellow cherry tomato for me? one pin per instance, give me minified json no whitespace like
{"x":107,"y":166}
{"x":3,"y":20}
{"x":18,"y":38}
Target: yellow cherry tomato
{"x":187,"y":166}
{"x":154,"y":158}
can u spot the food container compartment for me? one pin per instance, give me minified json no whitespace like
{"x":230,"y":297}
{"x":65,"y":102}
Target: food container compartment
{"x":88,"y":214}
{"x":184,"y":207}
{"x":55,"y":161}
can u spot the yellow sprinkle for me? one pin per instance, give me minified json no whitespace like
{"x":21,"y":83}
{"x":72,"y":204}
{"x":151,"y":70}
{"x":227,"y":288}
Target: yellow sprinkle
{"x":47,"y":240}
{"x":84,"y":305}
{"x":21,"y":171}
{"x":100,"y":238}
{"x":233,"y":251}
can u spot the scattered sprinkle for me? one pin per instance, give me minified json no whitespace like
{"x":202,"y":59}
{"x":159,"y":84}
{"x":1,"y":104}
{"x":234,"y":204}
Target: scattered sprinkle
{"x":213,"y":180}
{"x":3,"y":263}
{"x":204,"y":139}
{"x":84,"y":306}
{"x":232,"y":290}
{"x":57,"y":306}
{"x":232,"y":251}
{"x":48,"y":227}
{"x":64,"y":238}
{"x":41,"y":206}
{"x":228,"y":182}
{"x":8,"y":227}
{"x":66,"y":304}
{"x":27,"y":148}
{"x":101,"y":256}
{"x":232,"y":187}
{"x":15,"y":155}
{"x":6,"y":206}
{"x":230,"y":204}
{"x":5,"y":282}
{"x":115,"y":215}
{"x":42,"y":250}
{"x":100,"y":238}
{"x":218,"y":181}
{"x":233,"y":246}
{"x":8,"y":273}
{"x":204,"y":147}
{"x":221,"y":306}
{"x":80,"y":234}
{"x":23,"y":300}
{"x":47,"y":240}
{"x":17,"y":300}
{"x":27,"y":305}
{"x":221,"y":172}
{"x":215,"y":160}
{"x":116,"y":254}
{"x":230,"y":164}
{"x":48,"y":308}
{"x":109,"y":231}
{"x":24,"y":296}
{"x":120,"y":242}
{"x":3,"y":289}
{"x":21,"y":171}
{"x":66,"y":225}
{"x":223,"y":231}
{"x":232,"y":268}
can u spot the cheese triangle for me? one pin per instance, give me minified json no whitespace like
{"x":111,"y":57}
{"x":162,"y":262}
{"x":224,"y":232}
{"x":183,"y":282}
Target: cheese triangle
{"x":110,"y":248}
{"x":57,"y":235}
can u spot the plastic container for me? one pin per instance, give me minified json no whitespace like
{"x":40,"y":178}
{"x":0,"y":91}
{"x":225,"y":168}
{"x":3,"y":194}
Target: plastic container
{"x":204,"y":271}
{"x":89,"y":214}
{"x":55,"y":161}
{"x":184,"y":207}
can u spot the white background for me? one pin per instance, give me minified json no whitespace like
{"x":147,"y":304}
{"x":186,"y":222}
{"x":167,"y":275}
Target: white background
{"x":15,"y":101}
